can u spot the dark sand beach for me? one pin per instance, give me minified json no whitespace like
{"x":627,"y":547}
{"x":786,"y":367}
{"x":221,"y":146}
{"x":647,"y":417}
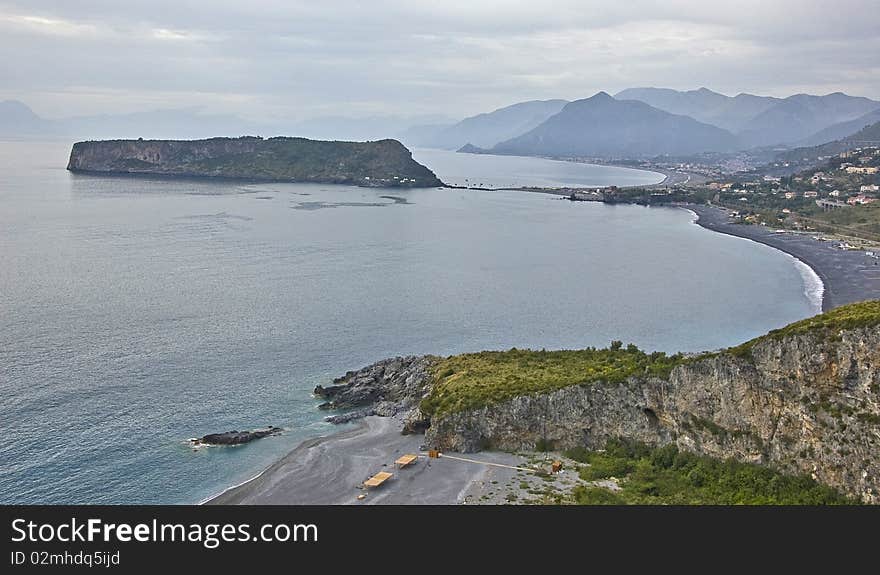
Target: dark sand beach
{"x":848,"y":275}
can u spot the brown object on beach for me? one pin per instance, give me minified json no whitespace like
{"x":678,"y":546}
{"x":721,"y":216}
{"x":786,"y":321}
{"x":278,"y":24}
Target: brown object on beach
{"x":405,"y":460}
{"x":378,"y":479}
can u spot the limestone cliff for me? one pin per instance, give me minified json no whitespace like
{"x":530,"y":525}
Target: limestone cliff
{"x":806,"y":403}
{"x":384,"y":163}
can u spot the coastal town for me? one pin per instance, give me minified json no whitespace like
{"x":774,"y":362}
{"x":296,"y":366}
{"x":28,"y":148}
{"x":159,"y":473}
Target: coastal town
{"x":834,"y":201}
{"x":838,"y":197}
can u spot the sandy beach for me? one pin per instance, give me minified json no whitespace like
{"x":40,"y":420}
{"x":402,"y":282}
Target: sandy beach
{"x":848,"y":275}
{"x":330,"y":470}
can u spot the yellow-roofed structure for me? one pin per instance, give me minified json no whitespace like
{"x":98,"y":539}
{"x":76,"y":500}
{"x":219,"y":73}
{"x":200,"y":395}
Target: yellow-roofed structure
{"x":407,"y":459}
{"x":378,"y":479}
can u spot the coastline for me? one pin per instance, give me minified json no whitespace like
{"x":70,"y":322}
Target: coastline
{"x":847,"y":276}
{"x":329,"y":470}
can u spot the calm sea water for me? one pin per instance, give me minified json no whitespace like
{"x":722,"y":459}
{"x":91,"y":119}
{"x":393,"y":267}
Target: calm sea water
{"x":137,"y":313}
{"x":485,"y":171}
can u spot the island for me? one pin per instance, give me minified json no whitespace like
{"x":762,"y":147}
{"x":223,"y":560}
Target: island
{"x":383,"y":163}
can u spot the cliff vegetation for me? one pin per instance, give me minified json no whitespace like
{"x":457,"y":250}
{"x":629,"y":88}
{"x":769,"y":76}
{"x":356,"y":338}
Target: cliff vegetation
{"x":665,"y":475}
{"x":828,"y":325}
{"x":474,"y":380}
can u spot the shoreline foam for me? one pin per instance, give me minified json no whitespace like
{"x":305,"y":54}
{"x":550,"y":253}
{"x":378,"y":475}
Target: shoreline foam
{"x":814,"y":287}
{"x":846,"y":276}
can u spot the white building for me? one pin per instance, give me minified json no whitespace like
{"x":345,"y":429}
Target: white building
{"x":859,"y":170}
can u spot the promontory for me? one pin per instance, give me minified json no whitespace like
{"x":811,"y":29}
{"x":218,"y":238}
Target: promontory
{"x":803,"y":400}
{"x":383,"y":163}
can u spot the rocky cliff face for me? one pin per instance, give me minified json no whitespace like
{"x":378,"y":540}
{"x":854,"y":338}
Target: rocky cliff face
{"x":385,"y":163}
{"x":805,"y":403}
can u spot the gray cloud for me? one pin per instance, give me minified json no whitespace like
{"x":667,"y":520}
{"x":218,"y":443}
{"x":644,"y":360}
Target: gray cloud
{"x":293,"y":60}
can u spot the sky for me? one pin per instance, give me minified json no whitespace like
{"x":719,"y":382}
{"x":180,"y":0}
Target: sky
{"x":265,"y":60}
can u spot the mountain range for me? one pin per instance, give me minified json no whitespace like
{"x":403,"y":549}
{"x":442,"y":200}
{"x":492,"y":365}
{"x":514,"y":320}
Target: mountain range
{"x":812,"y":155}
{"x":844,"y":130}
{"x":17,"y":120}
{"x":669,"y":122}
{"x":637,"y":122}
{"x":761,"y":120}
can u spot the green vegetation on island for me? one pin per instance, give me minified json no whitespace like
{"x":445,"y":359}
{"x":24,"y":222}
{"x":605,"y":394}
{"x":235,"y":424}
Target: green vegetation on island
{"x":667,"y":476}
{"x":384,"y":163}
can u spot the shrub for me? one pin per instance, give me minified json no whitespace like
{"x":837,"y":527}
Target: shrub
{"x":584,"y":495}
{"x":665,"y":475}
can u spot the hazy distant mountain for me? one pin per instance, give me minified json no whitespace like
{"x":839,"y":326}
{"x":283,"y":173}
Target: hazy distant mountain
{"x":842,"y":130}
{"x":362,"y":129}
{"x":16,"y":119}
{"x":813,"y":154}
{"x":758,"y":120}
{"x":486,"y":130}
{"x":870,"y":133}
{"x":602,"y":126}
{"x":186,"y":123}
{"x":798,"y":117}
{"x":704,"y":105}
{"x":422,"y":136}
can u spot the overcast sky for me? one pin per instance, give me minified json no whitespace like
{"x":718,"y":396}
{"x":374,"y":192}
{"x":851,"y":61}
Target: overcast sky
{"x":267,"y":59}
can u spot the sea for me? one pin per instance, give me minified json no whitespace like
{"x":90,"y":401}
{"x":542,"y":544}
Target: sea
{"x":137,"y":313}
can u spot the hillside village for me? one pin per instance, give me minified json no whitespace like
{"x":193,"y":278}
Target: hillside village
{"x":839,"y":197}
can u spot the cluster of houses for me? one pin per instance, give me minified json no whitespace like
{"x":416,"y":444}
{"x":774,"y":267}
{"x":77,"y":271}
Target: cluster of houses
{"x":866,"y":195}
{"x":860,"y":200}
{"x":864,"y":170}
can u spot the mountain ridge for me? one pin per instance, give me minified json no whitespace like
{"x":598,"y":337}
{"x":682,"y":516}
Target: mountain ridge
{"x":760,"y":120}
{"x":602,"y":126}
{"x":489,"y":128}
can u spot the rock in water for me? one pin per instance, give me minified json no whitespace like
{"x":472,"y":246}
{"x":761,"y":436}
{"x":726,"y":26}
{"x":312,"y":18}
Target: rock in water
{"x":236,"y":437}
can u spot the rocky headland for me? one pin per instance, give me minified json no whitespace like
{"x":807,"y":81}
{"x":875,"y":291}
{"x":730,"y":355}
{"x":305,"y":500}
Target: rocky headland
{"x":804,"y":399}
{"x":386,"y":388}
{"x":383,"y":163}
